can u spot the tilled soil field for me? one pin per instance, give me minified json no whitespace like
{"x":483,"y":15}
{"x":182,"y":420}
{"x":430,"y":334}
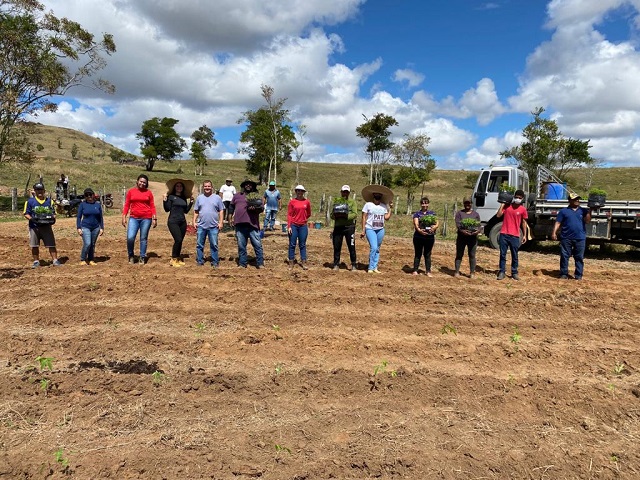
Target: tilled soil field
{"x":148,"y":372}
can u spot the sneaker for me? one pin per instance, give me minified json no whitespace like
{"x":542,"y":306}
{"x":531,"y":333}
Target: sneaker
{"x":132,"y":260}
{"x":415,"y":273}
{"x":200,"y":264}
{"x":472,"y":275}
{"x":336,"y":267}
{"x":564,"y":277}
{"x":456,"y":274}
{"x":351,"y":268}
{"x":56,"y":263}
{"x":304,"y":265}
{"x":180,"y":261}
{"x":91,"y":262}
{"x":82,"y":263}
{"x":215,"y":266}
{"x":36,"y":264}
{"x":369,"y":271}
{"x":500,"y":276}
{"x":260,"y":267}
{"x":428,"y":274}
{"x":515,"y":277}
{"x":375,"y":270}
{"x":577,"y":278}
{"x":143,"y":260}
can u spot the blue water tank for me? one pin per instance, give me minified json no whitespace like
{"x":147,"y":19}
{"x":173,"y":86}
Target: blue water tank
{"x":556,"y":191}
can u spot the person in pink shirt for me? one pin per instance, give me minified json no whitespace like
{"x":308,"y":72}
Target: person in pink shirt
{"x":514,"y":218}
{"x":139,"y":205}
{"x":298,"y":214}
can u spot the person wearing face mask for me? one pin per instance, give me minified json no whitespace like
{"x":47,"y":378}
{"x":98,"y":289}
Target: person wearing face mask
{"x":514,"y":218}
{"x":375,"y":212}
{"x":466,"y":238}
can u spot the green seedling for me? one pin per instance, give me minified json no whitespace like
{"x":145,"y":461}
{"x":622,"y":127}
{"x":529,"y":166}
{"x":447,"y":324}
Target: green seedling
{"x":46,"y":363}
{"x":44,"y":384}
{"x":158,"y":377}
{"x":619,"y":368}
{"x":448,"y":328}
{"x":382,"y":368}
{"x":278,"y":369}
{"x":60,"y":458}
{"x":282,"y":448}
{"x":276,"y":328}
{"x":200,"y":327}
{"x":93,"y":286}
{"x":515,"y":338}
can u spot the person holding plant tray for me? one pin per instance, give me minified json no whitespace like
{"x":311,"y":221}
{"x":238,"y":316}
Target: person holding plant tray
{"x":344,"y":214}
{"x":139,"y":205}
{"x":514,"y":218}
{"x":39,"y":210}
{"x":247,"y":207}
{"x":468,"y":225}
{"x":425,"y":225}
{"x":375,"y":212}
{"x":298,"y":214}
{"x":176,"y":202}
{"x":90,"y":225}
{"x":571,"y":222}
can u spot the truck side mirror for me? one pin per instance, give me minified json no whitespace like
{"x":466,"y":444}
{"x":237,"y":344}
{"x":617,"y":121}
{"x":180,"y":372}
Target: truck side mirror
{"x":480,"y":198}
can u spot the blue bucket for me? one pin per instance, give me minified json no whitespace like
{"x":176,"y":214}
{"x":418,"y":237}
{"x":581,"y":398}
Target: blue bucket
{"x":556,"y":191}
{"x":317,"y":225}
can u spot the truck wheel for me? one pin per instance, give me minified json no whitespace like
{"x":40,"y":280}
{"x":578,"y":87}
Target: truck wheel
{"x":494,"y":235}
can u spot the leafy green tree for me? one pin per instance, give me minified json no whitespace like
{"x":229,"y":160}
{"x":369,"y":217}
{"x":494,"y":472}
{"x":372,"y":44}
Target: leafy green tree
{"x":545,"y":145}
{"x":42,"y":56}
{"x":74,"y":151}
{"x":203,"y":138}
{"x":416,"y":164}
{"x":120,"y":156}
{"x":160,"y":141}
{"x":376,"y":132}
{"x":268,"y":138}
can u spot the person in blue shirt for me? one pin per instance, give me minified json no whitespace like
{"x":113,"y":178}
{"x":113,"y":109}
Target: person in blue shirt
{"x":39,"y":210}
{"x":571,"y":222}
{"x":90,"y":225}
{"x":208,"y":217}
{"x":273,"y":203}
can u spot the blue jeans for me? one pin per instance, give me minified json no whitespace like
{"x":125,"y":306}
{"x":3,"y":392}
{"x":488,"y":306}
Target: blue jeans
{"x":135,"y":224}
{"x":201,"y":236}
{"x":374,"y":237}
{"x":89,"y":239}
{"x":245,"y":232}
{"x":269,"y":219}
{"x":572,"y":248}
{"x":299,"y":234}
{"x":512,"y":243}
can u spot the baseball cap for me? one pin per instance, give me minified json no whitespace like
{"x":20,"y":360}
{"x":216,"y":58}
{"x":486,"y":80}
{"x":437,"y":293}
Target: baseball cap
{"x":38,"y":186}
{"x":345,"y":188}
{"x":272,"y":182}
{"x":300,"y":187}
{"x":574,"y":196}
{"x":88,"y":191}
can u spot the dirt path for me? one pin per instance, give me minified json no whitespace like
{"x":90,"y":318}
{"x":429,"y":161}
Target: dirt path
{"x":287,"y":374}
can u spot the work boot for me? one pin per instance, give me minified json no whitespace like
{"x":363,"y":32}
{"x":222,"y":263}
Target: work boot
{"x":304,"y":266}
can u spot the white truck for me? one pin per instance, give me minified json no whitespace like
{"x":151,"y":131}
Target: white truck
{"x":618,"y":221}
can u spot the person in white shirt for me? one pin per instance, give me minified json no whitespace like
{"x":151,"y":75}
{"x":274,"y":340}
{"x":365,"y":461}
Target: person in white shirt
{"x":227,"y":191}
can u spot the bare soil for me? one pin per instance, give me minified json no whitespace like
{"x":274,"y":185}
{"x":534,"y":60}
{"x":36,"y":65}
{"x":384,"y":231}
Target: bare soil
{"x":188,"y":373}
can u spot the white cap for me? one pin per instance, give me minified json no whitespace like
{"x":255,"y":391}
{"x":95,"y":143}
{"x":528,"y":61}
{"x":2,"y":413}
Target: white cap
{"x":345,"y":188}
{"x":300,"y":187}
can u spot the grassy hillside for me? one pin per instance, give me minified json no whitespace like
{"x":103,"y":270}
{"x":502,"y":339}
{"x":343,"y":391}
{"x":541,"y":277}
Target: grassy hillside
{"x":94,"y":168}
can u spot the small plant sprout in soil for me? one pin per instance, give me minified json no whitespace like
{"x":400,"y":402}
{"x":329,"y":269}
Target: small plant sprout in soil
{"x":46,"y":363}
{"x":158,"y":377}
{"x":448,"y":328}
{"x":619,"y":368}
{"x":515,"y":338}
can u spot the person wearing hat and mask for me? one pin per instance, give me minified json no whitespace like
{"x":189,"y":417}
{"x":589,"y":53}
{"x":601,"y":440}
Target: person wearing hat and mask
{"x":139,"y":204}
{"x":375,"y":212}
{"x":90,"y":225}
{"x":246,"y":220}
{"x":298,"y":214}
{"x":514,"y":219}
{"x":466,"y":238}
{"x":571,"y":222}
{"x":272,"y":203}
{"x":208,"y":215}
{"x":40,"y":225}
{"x":344,"y":227}
{"x":227,"y":191}
{"x":177,"y":202}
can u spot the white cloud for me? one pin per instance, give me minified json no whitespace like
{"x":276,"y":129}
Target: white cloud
{"x":412,"y":78}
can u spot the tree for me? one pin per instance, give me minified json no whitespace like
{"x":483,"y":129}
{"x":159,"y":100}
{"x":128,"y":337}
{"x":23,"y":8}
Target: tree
{"x":42,"y":56}
{"x":160,"y":141}
{"x":416,"y":164}
{"x":376,"y":132}
{"x":268,"y":137}
{"x":74,"y":151}
{"x":203,"y":138}
{"x":298,"y":148}
{"x":545,"y":145}
{"x":120,"y":157}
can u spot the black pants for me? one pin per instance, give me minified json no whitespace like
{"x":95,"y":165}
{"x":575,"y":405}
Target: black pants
{"x":423,"y":245}
{"x":469,"y":242}
{"x":347,"y":232}
{"x":178,"y":230}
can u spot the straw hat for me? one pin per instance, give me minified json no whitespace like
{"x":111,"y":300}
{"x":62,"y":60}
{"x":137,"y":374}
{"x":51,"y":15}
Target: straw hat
{"x":369,"y":190}
{"x":188,"y":186}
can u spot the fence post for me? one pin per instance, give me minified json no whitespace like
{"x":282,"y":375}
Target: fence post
{"x":395,"y":206}
{"x":327,"y":216}
{"x":14,"y":199}
{"x":444,"y":221}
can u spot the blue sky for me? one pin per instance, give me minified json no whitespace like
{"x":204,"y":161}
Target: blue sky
{"x":465,"y":72}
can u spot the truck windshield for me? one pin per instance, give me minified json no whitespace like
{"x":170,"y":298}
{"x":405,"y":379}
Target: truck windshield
{"x":496,"y":179}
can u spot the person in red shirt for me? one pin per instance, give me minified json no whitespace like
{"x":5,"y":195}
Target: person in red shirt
{"x":515,"y":219}
{"x":298,"y":214}
{"x":140,"y":206}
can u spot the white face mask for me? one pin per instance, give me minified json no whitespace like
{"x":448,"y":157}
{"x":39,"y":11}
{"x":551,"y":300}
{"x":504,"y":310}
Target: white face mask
{"x":517,"y":201}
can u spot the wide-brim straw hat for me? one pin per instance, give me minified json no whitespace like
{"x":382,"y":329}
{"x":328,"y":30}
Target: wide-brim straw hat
{"x":253,"y":184}
{"x":369,"y":190}
{"x":188,"y":186}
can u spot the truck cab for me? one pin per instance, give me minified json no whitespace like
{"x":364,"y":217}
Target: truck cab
{"x":485,"y":195}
